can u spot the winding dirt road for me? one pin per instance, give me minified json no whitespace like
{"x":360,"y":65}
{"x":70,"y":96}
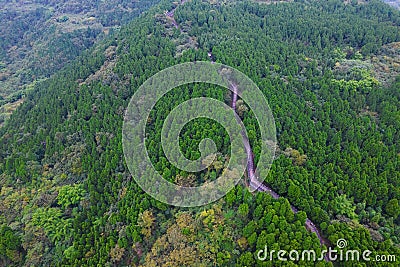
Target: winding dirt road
{"x":260,"y":186}
{"x":254,"y":183}
{"x":170,"y":14}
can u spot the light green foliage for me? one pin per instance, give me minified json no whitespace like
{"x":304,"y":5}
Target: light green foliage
{"x":51,"y":220}
{"x":344,"y":206}
{"x":69,"y":195}
{"x":243,"y":210}
{"x":364,"y":82}
{"x":339,"y":54}
{"x":71,"y":253}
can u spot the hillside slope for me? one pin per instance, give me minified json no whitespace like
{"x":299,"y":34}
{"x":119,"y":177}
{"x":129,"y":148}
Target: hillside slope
{"x":67,"y":197}
{"x":37,"y":38}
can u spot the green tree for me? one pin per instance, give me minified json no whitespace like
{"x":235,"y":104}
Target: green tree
{"x":393,"y":208}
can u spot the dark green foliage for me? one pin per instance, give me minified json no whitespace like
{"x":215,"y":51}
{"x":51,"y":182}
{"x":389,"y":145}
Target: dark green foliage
{"x":39,"y":37}
{"x":337,"y":137}
{"x":10,"y":246}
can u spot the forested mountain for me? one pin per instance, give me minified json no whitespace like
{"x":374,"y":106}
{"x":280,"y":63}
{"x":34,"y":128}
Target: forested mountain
{"x":67,"y":197}
{"x":38,"y":37}
{"x":394,"y":3}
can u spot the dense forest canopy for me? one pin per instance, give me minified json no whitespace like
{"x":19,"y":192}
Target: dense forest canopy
{"x":37,"y":38}
{"x":67,"y":197}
